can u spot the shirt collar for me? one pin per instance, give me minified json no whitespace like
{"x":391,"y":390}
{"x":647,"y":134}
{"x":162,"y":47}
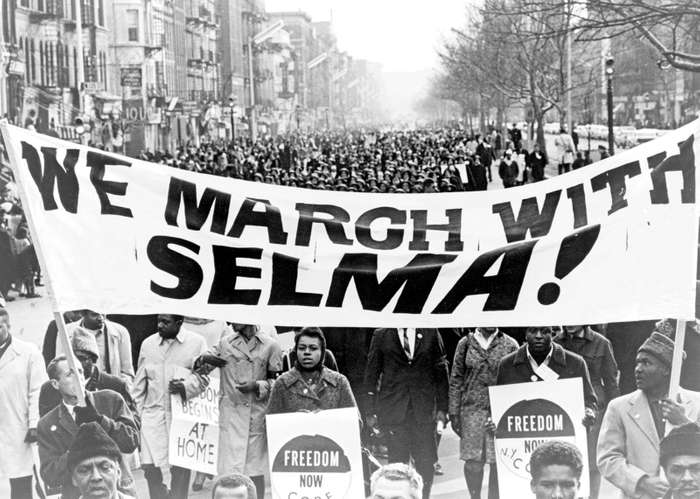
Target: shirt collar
{"x":531,"y":359}
{"x":178,"y":337}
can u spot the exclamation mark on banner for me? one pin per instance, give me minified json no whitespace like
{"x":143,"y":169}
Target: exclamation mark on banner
{"x":574,"y":248}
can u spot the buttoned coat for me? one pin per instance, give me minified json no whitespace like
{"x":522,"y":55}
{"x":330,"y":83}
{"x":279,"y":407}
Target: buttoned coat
{"x":421,"y":383}
{"x":22,"y":373}
{"x":57,"y":429}
{"x":160,"y":362}
{"x":242,"y":440}
{"x":628,"y":445}
{"x":290,"y":393}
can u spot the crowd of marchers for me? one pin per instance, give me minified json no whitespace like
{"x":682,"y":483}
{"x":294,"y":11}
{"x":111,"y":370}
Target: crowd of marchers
{"x":403,"y":381}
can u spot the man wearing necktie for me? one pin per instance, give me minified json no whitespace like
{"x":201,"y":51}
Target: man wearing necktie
{"x":412,"y":394}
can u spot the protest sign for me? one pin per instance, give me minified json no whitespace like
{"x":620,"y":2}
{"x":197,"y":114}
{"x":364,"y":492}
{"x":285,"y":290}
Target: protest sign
{"x":528,"y":414}
{"x":133,"y":237}
{"x":194,"y":430}
{"x":315,"y":454}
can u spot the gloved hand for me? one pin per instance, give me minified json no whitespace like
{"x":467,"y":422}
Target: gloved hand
{"x":86,"y":414}
{"x":212,"y":360}
{"x":248,"y":387}
{"x":177,"y":386}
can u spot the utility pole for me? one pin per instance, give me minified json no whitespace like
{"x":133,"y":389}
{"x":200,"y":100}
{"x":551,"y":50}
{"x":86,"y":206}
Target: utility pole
{"x":252,"y":122}
{"x":609,"y":70}
{"x":79,"y":47}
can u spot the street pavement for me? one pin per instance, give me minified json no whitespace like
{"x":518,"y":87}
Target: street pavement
{"x":29,"y":318}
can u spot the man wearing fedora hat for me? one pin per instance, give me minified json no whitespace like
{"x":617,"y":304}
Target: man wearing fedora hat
{"x":94,"y":464}
{"x":634,"y":424}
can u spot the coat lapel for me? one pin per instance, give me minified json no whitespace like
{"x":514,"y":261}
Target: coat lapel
{"x":9,"y":355}
{"x":66,"y":420}
{"x":641,"y":415}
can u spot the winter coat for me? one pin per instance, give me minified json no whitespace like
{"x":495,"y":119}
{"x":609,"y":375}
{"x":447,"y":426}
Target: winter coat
{"x":290,"y":393}
{"x":21,"y":374}
{"x":508,"y":171}
{"x":628,"y":444}
{"x":473,"y":371}
{"x":159,"y":362}
{"x":242,"y":441}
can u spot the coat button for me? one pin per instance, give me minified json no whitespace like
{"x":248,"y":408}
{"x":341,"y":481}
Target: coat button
{"x":306,"y":390}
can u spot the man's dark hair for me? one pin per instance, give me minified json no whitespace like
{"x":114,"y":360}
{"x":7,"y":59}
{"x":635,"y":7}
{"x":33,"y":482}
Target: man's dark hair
{"x":683,"y":440}
{"x":555,"y":452}
{"x":52,"y":370}
{"x":4,"y":312}
{"x":235,"y":480}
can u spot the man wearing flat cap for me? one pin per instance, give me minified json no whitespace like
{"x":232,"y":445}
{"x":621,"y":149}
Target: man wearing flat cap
{"x":634,"y":424}
{"x":680,"y":459}
{"x":94,"y":464}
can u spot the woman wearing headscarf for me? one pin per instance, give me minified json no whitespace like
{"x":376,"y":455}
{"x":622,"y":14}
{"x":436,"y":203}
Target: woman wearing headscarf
{"x":309,"y":386}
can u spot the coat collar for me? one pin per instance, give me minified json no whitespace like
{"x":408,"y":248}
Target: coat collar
{"x":295,"y":377}
{"x":640,"y":413}
{"x":11,"y":352}
{"x":558,"y":355}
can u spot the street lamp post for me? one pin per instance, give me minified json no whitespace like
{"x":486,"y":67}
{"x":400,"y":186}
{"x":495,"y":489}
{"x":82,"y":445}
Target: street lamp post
{"x":231,"y":104}
{"x":609,"y":70}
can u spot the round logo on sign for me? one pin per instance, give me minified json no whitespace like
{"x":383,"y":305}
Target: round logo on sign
{"x":524,"y":426}
{"x":311,"y":466}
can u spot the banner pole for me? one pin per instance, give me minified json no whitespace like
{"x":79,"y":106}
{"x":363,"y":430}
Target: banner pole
{"x":677,"y":362}
{"x":58,"y":316}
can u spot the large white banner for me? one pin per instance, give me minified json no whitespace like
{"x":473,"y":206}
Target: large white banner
{"x":315,"y":454}
{"x":613,"y":241}
{"x":528,"y":414}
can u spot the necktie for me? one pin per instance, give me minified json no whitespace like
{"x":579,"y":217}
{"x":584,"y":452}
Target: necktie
{"x":406,"y":344}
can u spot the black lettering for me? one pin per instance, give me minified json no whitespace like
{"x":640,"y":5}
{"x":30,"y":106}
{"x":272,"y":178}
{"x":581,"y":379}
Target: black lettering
{"x":453,"y":227}
{"x":227,"y":271}
{"x":683,"y":162}
{"x":393,"y":238}
{"x":578,"y":204}
{"x":285,"y":271}
{"x":270,"y":217}
{"x":53,"y":173}
{"x":196,"y":213}
{"x":529,"y":217}
{"x":97,"y":162}
{"x":615,"y":179}
{"x":187,"y":270}
{"x":415,"y":281}
{"x":503,"y":288}
{"x":333,"y":225}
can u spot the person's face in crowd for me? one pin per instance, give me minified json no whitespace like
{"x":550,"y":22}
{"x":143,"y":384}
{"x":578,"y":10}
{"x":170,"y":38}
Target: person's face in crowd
{"x":240,"y":492}
{"x":649,"y":373}
{"x":93,"y":320}
{"x":65,"y":382}
{"x":556,"y":481}
{"x":97,"y":477}
{"x":539,"y":339}
{"x":87,"y":361}
{"x":572,"y":330}
{"x":683,"y":475}
{"x":4,"y":328}
{"x":309,"y":352}
{"x":392,"y":489}
{"x":168,"y":326}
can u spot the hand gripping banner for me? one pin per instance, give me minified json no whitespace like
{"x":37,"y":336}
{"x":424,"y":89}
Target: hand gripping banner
{"x":614,"y":241}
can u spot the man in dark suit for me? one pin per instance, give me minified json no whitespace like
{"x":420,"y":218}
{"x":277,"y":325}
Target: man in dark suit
{"x":57,"y":429}
{"x":86,"y":351}
{"x":537,"y":357}
{"x":413,"y":394}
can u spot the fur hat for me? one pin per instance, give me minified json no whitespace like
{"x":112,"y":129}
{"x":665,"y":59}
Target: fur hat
{"x":659,"y":346}
{"x":681,"y":441}
{"x":84,"y":340}
{"x":91,"y":441}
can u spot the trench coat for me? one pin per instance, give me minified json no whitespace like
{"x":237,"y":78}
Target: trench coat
{"x":160,"y":362}
{"x":628,"y":444}
{"x":242,"y":440}
{"x":22,"y":373}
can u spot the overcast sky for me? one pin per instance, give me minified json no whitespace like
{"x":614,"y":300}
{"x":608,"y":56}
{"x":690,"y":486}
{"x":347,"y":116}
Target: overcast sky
{"x":403,"y":35}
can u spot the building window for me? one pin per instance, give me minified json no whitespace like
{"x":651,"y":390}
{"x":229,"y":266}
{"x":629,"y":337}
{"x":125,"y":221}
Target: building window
{"x":100,"y":12}
{"x":132,"y":24}
{"x":75,"y":66}
{"x":41,"y":63}
{"x":24,"y":3}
